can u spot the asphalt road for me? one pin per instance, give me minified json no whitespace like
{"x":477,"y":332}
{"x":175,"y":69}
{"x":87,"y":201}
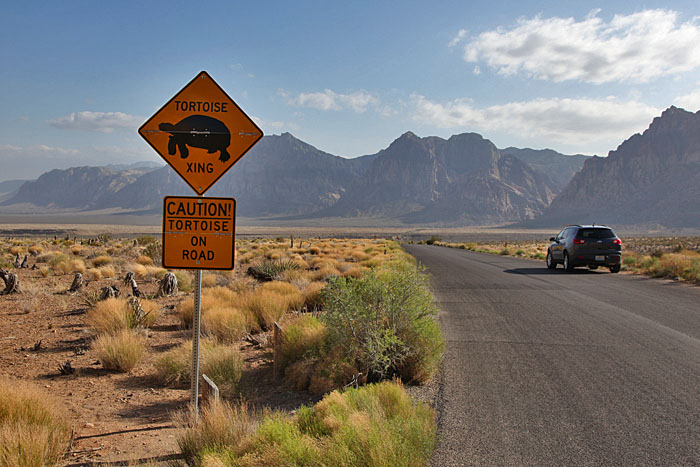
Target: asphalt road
{"x":548,"y":368}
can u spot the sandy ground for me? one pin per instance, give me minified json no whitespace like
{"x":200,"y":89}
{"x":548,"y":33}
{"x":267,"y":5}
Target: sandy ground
{"x":115,"y":416}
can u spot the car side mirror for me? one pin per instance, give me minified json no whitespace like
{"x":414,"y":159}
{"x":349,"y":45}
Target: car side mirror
{"x":552,"y":239}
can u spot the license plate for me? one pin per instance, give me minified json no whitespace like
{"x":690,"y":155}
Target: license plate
{"x":600,"y":258}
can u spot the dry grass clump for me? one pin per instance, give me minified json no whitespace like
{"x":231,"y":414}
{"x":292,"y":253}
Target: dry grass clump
{"x":303,"y":337}
{"x":327,"y":271}
{"x":144,"y":260}
{"x":268,"y":304}
{"x":185,"y":281}
{"x":222,"y":363}
{"x":35,"y":250}
{"x":312,"y":295}
{"x":48,"y":257}
{"x":101,"y":260}
{"x":18,"y":250}
{"x":65,"y":265}
{"x":144,"y":272}
{"x":116,"y":314}
{"x":219,"y":425}
{"x":372,"y":425}
{"x":33,"y":429}
{"x":209,"y":279}
{"x":77,"y":250}
{"x":121,"y":351}
{"x":222,"y":315}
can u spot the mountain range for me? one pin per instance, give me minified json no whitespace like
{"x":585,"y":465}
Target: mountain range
{"x":651,"y":178}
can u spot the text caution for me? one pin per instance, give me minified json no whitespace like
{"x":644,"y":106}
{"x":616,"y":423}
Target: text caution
{"x":198,"y":233}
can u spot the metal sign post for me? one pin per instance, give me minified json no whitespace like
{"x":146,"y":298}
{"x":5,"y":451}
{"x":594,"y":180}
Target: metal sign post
{"x":196,"y":319}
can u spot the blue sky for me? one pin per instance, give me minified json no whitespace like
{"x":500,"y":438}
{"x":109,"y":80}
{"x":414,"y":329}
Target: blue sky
{"x":79,"y":77}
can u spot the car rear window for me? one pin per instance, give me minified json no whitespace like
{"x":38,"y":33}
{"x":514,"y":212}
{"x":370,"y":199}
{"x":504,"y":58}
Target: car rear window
{"x":596,"y":233}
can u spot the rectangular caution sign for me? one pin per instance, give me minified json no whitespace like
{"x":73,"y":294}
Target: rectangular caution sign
{"x":198,"y":233}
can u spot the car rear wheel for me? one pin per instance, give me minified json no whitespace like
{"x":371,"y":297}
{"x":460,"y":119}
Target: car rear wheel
{"x":568,"y":267}
{"x":615,"y":269}
{"x":550,"y":261}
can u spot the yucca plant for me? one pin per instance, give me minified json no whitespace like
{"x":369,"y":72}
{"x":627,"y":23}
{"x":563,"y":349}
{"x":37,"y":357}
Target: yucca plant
{"x":268,"y":270}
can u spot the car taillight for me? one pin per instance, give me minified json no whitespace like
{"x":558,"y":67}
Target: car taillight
{"x":579,"y":241}
{"x":617,"y":241}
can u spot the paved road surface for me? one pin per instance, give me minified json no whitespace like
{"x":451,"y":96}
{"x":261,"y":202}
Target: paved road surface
{"x":548,"y":368}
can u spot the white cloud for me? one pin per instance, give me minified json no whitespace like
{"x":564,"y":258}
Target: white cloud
{"x":567,"y":121}
{"x":629,"y":48}
{"x":690,"y":101}
{"x":357,"y":101}
{"x":102,"y":122}
{"x":37,"y":149}
{"x":461,"y":35}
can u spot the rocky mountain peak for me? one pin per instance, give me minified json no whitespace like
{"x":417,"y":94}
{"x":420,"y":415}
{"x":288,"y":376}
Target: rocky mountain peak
{"x":652,"y":178}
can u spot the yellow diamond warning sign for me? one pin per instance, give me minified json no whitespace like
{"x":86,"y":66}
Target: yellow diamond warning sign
{"x":198,"y":233}
{"x":201,"y":132}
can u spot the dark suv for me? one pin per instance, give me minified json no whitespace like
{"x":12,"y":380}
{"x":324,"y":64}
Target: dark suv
{"x":585,"y":245}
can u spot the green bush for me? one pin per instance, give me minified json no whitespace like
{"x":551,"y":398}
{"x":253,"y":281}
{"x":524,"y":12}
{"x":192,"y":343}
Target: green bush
{"x":373,"y":425}
{"x":303,"y":337}
{"x":384,"y":323}
{"x":433,"y":239}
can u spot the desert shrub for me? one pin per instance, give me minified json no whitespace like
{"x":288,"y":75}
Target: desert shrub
{"x":185,"y":282}
{"x":222,"y":316}
{"x":303,"y":337}
{"x":220,"y":426}
{"x":327,"y":271}
{"x":384,"y":322}
{"x":265,"y":307}
{"x":208,"y":280}
{"x":66,"y":265}
{"x":373,"y":425}
{"x":154,"y":251}
{"x":35,"y":250}
{"x":649,"y":264}
{"x":222,"y":363}
{"x":77,"y":250}
{"x":504,"y":251}
{"x":431,"y":240}
{"x":94,"y":274}
{"x":101,"y":260}
{"x":146,"y":240}
{"x":672,"y":265}
{"x":630,"y":260}
{"x":269,"y":270}
{"x":693,"y":272}
{"x":538,"y":255}
{"x":17,"y":250}
{"x":33,"y":429}
{"x":44,"y":270}
{"x":314,"y":250}
{"x":107,"y":271}
{"x":115,"y":314}
{"x":144,"y":260}
{"x":121,"y":351}
{"x":294,"y":297}
{"x":312,"y":295}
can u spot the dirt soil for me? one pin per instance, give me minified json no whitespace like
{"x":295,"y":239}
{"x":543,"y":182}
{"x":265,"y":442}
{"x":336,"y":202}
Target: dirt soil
{"x":115,"y":416}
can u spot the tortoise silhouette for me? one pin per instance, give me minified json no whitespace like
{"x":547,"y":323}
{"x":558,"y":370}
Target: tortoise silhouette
{"x":198,"y":131}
